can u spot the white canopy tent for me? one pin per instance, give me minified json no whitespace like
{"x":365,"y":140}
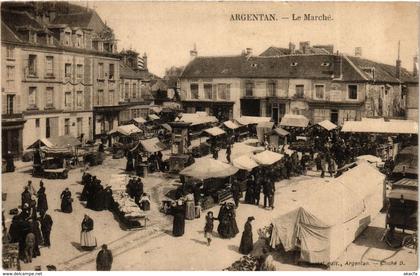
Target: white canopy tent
{"x":368,"y":125}
{"x":249,"y":120}
{"x":126,"y":130}
{"x":244,"y":162}
{"x":231,"y":125}
{"x":206,"y":167}
{"x":267,"y":157}
{"x":215,"y":131}
{"x":328,"y":125}
{"x":197,"y":118}
{"x":293,"y":120}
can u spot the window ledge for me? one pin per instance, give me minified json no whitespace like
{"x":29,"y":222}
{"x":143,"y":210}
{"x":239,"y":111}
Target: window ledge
{"x":49,"y":108}
{"x":50,"y":77}
{"x":32,"y":108}
{"x":10,"y":59}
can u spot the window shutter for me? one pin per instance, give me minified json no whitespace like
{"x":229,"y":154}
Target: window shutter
{"x":214,"y":88}
{"x":4,"y":104}
{"x":17,"y":104}
{"x":228,"y":92}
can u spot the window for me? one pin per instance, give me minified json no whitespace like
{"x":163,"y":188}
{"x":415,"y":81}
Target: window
{"x":32,"y":65}
{"x":32,"y":97}
{"x":300,"y":91}
{"x":100,"y":71}
{"x":100,"y":98}
{"x":223,"y":91}
{"x":79,"y":40}
{"x":67,"y":70}
{"x":47,"y":127}
{"x":319,"y":91}
{"x":127,"y":91}
{"x":49,"y":66}
{"x":79,"y":126}
{"x":10,"y":102}
{"x":294,"y":64}
{"x":67,"y":99}
{"x":66,"y":126}
{"x":67,"y":37}
{"x":208,"y":88}
{"x":271,"y":89}
{"x":194,"y":90}
{"x":10,"y":78}
{"x":352,"y":91}
{"x":32,"y":37}
{"x":50,"y":40}
{"x":49,"y":97}
{"x":79,"y":73}
{"x":249,"y":89}
{"x":134,"y":90}
{"x":10,"y":52}
{"x":79,"y":99}
{"x":111,"y":97}
{"x":37,"y":123}
{"x":111,"y":71}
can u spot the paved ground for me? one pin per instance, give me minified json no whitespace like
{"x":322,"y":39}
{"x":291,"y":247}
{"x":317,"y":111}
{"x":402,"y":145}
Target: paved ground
{"x":155,"y":249}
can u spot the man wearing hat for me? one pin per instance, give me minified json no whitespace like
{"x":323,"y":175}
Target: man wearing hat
{"x":104,"y":259}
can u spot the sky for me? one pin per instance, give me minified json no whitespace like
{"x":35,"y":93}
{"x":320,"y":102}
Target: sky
{"x":167,"y":31}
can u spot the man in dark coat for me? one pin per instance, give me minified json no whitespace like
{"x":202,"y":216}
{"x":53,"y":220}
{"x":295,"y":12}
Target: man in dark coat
{"x":178,"y":212}
{"x":257,"y":190}
{"x":236,"y":192}
{"x":66,"y":201}
{"x":42,"y":205}
{"x":104,"y":259}
{"x":46,"y":226}
{"x":247,"y":243}
{"x":10,"y":165}
{"x":130,"y":164}
{"x":26,"y":197}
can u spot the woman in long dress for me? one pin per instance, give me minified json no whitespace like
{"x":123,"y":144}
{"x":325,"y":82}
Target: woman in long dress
{"x":227,"y":227}
{"x":66,"y":201}
{"x":247,"y":243}
{"x":190,"y":207}
{"x":87,"y":239}
{"x":178,"y":212}
{"x":42,"y":205}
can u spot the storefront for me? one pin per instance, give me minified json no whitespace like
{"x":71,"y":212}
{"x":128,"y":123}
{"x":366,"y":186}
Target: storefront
{"x":105,"y":118}
{"x":12,"y":127}
{"x":222,"y":110}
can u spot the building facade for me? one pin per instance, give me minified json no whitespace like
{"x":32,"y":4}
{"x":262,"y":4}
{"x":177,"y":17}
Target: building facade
{"x":321,"y":86}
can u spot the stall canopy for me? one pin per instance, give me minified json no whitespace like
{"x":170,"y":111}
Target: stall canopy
{"x":240,"y":149}
{"x":293,"y":120}
{"x":198,"y":118}
{"x":250,"y":120}
{"x":126,"y":130}
{"x":369,"y":158}
{"x":244,"y":162}
{"x":214,"y":131}
{"x":152,"y":145}
{"x":328,"y":125}
{"x":406,"y":161}
{"x":267,"y":157}
{"x":280,"y":131}
{"x":139,"y":120}
{"x":64,"y":141}
{"x":206,"y":167}
{"x":327,"y":221}
{"x":381,"y":126}
{"x":407,"y":194}
{"x":153,"y":117}
{"x":231,"y":125}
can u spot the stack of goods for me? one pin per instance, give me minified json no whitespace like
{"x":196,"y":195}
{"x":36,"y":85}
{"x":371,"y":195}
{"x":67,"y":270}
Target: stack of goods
{"x":224,"y":194}
{"x":127,"y":209}
{"x":246,"y":263}
{"x":10,"y":256}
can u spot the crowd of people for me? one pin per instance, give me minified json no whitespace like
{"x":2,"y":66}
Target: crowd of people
{"x":96,"y":196}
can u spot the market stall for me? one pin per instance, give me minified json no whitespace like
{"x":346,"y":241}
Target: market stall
{"x":263,"y":129}
{"x":237,"y":130}
{"x":267,"y":157}
{"x":198,"y":122}
{"x":251,"y":123}
{"x":367,"y":125}
{"x":322,"y":226}
{"x":278,"y":137}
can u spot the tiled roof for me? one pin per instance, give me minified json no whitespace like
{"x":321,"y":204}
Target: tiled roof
{"x":74,"y":20}
{"x":16,"y":20}
{"x":127,"y":72}
{"x":316,"y":66}
{"x":275,"y":51}
{"x":7,"y":35}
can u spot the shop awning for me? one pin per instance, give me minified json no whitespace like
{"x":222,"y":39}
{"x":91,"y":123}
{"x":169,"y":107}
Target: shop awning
{"x":267,"y":157}
{"x":381,"y":126}
{"x":231,"y":125}
{"x":198,"y":118}
{"x":406,"y":183}
{"x":280,"y":131}
{"x":126,"y":130}
{"x":63,"y":141}
{"x":153,"y":117}
{"x":249,"y":120}
{"x":152,"y":145}
{"x":244,"y":162}
{"x":268,"y":125}
{"x":293,"y":120}
{"x":407,"y":194}
{"x":328,"y":125}
{"x":214,"y":131}
{"x":139,"y":120}
{"x":206,"y":167}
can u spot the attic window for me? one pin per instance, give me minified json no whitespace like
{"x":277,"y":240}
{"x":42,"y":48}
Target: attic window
{"x":293,"y":64}
{"x":325,"y":64}
{"x":370,"y":71}
{"x":254,"y":65}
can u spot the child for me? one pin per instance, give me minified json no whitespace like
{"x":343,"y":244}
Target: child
{"x":208,"y":228}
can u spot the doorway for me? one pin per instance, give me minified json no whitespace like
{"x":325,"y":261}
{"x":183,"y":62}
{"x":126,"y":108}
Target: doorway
{"x":334,"y":116}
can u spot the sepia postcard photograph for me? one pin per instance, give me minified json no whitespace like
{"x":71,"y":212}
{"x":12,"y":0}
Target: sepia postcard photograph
{"x":209,"y":136}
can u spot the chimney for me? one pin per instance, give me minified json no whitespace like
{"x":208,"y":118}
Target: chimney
{"x":292,"y":48}
{"x":193,"y":53}
{"x":337,"y":65}
{"x":145,"y":61}
{"x":415,"y":67}
{"x":398,"y":64}
{"x":358,"y":51}
{"x":304,"y":46}
{"x":248,"y":52}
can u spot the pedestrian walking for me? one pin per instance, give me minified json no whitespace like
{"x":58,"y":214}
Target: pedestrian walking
{"x":46,"y":227}
{"x":236,"y":192}
{"x":26,"y":197}
{"x":104,"y":259}
{"x":66,"y":201}
{"x":87,"y":239}
{"x":42,"y":205}
{"x":257,"y":190}
{"x":31,"y":188}
{"x":10,"y":165}
{"x":178,"y":211}
{"x":247,"y":243}
{"x":208,"y":228}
